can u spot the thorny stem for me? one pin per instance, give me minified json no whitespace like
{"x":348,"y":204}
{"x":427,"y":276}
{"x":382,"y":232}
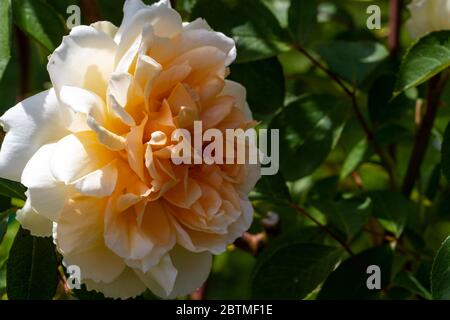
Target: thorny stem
{"x":386,"y":160}
{"x":435,"y":87}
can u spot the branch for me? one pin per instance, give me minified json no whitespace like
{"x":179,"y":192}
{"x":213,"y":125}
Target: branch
{"x":385,"y":159}
{"x":435,"y":87}
{"x":323,"y":227}
{"x":395,"y":20}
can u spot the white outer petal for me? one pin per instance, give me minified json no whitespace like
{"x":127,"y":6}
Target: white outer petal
{"x":38,"y":225}
{"x":84,"y":59}
{"x":46,"y":195}
{"x":30,"y":124}
{"x":125,"y":286}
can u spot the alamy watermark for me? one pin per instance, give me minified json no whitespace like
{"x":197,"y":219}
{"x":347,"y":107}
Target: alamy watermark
{"x":235,"y":146}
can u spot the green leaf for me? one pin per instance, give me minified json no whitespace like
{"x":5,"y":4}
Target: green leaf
{"x":12,"y":189}
{"x":445,"y":153}
{"x":392,"y":210}
{"x":347,"y":215}
{"x":425,"y":58}
{"x":4,"y":217}
{"x":309,"y":130}
{"x":32,"y":268}
{"x":408,"y":281}
{"x":265,"y":94}
{"x":353,"y":61}
{"x":302,"y":19}
{"x":384,"y":109}
{"x":272,"y":188}
{"x":440,"y":272}
{"x":224,"y":282}
{"x":356,"y":156}
{"x":252,"y":25}
{"x":2,"y":279}
{"x":84,"y":294}
{"x":5,"y":34}
{"x":349,"y":280}
{"x":293,"y":271}
{"x":40,"y":21}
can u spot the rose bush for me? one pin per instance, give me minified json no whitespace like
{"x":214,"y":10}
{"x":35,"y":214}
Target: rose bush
{"x":95,"y":152}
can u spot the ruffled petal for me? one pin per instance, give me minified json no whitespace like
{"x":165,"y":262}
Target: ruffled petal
{"x":85,"y":59}
{"x":32,"y":123}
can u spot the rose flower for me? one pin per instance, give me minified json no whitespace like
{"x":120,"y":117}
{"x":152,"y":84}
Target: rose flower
{"x":95,"y":153}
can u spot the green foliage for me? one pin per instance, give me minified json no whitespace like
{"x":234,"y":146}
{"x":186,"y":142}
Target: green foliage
{"x":445,"y":153}
{"x":348,"y":215}
{"x":254,"y":27}
{"x":39,"y":21}
{"x":353,"y":61}
{"x":392,"y":210}
{"x":5,"y":35}
{"x":4,"y":218}
{"x":12,"y":189}
{"x":32,"y":268}
{"x":302,"y":18}
{"x":293,"y":270}
{"x":440,"y":274}
{"x":424,"y":59}
{"x":264,"y":95}
{"x":309,"y":130}
{"x":352,"y":275}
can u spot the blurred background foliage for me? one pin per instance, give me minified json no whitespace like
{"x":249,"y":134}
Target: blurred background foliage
{"x":341,"y":201}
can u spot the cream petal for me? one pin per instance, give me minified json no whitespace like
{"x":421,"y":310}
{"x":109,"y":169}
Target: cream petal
{"x":30,"y":124}
{"x":119,"y":87}
{"x":195,"y":241}
{"x":83,"y":101}
{"x":130,"y":9}
{"x":85,"y":59}
{"x":108,"y":139}
{"x":218,"y":111}
{"x":156,"y":225}
{"x":123,"y":234}
{"x":135,"y":149}
{"x":46,"y":195}
{"x":161,"y":278}
{"x":97,"y":263}
{"x":99,"y":183}
{"x":38,"y":225}
{"x":243,"y":223}
{"x":238,"y":91}
{"x":195,"y":38}
{"x":165,"y":20}
{"x":253,"y":174}
{"x":150,"y":260}
{"x":126,"y":285}
{"x":184,"y":196}
{"x":78,"y":154}
{"x":193,"y":270}
{"x":198,"y":23}
{"x":79,"y":238}
{"x":105,"y":27}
